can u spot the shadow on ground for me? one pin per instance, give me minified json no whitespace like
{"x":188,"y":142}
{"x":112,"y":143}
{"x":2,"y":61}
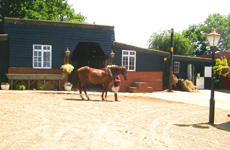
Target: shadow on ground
{"x":197,"y":125}
{"x":86,"y":100}
{"x":222,"y":126}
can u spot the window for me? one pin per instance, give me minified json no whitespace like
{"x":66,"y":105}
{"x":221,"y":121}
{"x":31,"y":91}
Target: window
{"x":176,"y":67}
{"x":42,"y":56}
{"x":129,"y":59}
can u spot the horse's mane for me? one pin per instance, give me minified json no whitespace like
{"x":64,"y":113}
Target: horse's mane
{"x":117,"y":69}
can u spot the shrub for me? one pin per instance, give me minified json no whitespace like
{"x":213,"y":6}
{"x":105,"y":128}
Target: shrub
{"x":20,"y":86}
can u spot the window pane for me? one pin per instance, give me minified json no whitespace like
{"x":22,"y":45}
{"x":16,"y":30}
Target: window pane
{"x":37,"y":47}
{"x":46,"y":56}
{"x":39,"y":64}
{"x":131,"y":63}
{"x":46,"y":64}
{"x":125,"y":52}
{"x":132,"y":53}
{"x":35,"y":64}
{"x":176,"y":67}
{"x":125,"y":61}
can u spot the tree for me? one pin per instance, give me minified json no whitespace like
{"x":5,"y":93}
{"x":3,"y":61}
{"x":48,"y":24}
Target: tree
{"x":196,"y":33}
{"x":161,"y":41}
{"x":198,"y":39}
{"x":58,"y":10}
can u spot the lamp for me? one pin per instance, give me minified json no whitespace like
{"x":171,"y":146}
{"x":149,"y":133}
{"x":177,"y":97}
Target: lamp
{"x":171,"y":60}
{"x":112,"y":54}
{"x":67,"y":53}
{"x":213,"y":40}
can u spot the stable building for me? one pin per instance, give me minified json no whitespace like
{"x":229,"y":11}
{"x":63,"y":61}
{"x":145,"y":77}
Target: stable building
{"x":33,"y":51}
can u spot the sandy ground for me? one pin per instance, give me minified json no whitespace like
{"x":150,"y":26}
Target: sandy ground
{"x":38,"y":121}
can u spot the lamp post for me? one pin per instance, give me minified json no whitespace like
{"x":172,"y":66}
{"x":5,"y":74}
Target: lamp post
{"x":213,"y":39}
{"x":67,"y":52}
{"x":112,"y":54}
{"x":171,"y":60}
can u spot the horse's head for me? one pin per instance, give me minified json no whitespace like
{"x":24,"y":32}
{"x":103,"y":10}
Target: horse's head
{"x":119,"y":70}
{"x":125,"y":74}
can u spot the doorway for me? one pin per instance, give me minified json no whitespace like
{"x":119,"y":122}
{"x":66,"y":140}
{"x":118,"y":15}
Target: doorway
{"x":87,"y":54}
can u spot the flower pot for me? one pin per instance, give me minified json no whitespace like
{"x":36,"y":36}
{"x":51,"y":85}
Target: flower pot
{"x":5,"y":87}
{"x":67,"y":88}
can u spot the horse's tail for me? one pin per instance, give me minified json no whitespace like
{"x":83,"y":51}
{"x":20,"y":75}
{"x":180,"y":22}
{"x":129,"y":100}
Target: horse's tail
{"x":76,"y":81}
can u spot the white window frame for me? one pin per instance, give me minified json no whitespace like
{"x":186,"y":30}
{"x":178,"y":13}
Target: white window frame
{"x":176,"y":67}
{"x":42,"y":50}
{"x":129,"y":55}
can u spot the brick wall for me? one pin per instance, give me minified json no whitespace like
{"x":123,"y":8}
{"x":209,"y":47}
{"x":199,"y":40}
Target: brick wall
{"x":15,"y":70}
{"x":225,"y":82}
{"x":154,"y":80}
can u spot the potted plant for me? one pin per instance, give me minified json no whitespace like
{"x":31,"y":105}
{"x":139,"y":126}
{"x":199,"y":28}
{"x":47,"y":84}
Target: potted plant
{"x":68,"y":86}
{"x":5,"y":86}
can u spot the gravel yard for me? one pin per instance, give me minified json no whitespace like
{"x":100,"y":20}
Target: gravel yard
{"x":38,"y":121}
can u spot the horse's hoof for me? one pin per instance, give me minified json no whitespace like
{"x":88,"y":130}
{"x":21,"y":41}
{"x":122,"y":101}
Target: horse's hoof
{"x":103,"y":99}
{"x":88,"y":98}
{"x":82,"y":98}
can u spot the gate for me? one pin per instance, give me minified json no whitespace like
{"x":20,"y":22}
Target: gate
{"x":4,"y":57}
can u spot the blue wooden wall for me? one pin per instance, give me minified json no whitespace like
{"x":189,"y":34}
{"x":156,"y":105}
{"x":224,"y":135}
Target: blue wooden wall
{"x":22,"y":36}
{"x":146,"y":60}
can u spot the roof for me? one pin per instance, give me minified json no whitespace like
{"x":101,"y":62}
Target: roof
{"x":162,"y":53}
{"x":131,"y":47}
{"x":22,"y":21}
{"x":190,"y":58}
{"x":221,"y":54}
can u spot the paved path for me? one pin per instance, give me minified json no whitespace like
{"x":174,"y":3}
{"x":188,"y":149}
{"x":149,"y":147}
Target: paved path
{"x":222,"y":99}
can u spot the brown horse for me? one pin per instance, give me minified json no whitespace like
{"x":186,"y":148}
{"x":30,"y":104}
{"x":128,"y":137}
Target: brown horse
{"x":103,"y":76}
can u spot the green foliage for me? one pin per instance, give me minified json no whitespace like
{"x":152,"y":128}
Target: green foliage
{"x":161,"y":41}
{"x":193,"y":41}
{"x":196,"y":33}
{"x":41,"y":87}
{"x":5,"y":83}
{"x":221,"y":67}
{"x":198,"y":39}
{"x":20,"y":86}
{"x":57,"y":10}
{"x":68,"y":84}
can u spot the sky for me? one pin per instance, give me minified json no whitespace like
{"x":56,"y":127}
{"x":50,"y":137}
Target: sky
{"x":135,"y":21}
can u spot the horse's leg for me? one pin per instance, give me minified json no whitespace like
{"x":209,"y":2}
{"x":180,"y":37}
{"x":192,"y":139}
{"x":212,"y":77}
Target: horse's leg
{"x":106,"y":90}
{"x":80,"y":88}
{"x":102,"y":95}
{"x":84,"y":88}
